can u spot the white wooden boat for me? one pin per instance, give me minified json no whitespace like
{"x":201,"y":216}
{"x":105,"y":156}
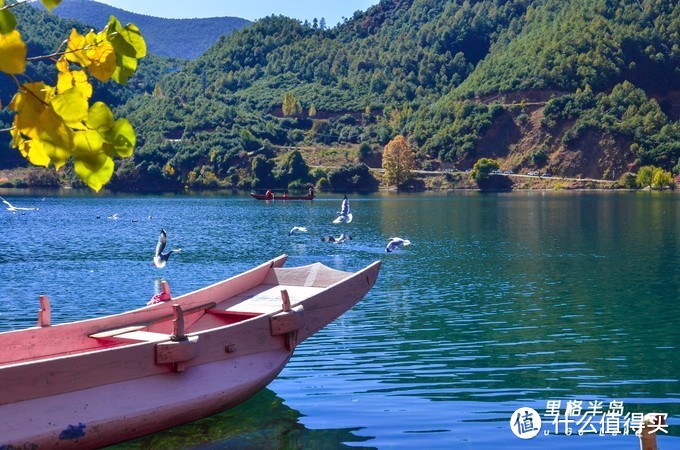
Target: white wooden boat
{"x":102,"y":381}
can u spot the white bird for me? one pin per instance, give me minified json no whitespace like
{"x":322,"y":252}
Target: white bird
{"x":113,"y":216}
{"x":12,"y":208}
{"x":160,"y":259}
{"x":300,"y":229}
{"x":344,"y":215}
{"x":395,"y":243}
{"x":337,"y":240}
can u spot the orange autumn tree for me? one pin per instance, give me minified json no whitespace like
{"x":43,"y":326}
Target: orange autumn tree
{"x":55,"y":123}
{"x":398,"y":161}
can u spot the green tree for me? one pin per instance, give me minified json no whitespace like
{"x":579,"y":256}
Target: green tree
{"x":662,"y":179}
{"x":398,"y":162}
{"x":644,"y":176}
{"x":250,"y":143}
{"x":262,"y":172}
{"x":291,"y":106}
{"x":365,"y":151}
{"x":654,"y":177}
{"x":352,"y":177}
{"x":481,"y":171}
{"x":293,"y":170}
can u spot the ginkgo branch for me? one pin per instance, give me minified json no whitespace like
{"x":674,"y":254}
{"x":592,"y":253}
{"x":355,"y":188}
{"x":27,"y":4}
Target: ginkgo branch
{"x":58,"y":52}
{"x":15,"y":4}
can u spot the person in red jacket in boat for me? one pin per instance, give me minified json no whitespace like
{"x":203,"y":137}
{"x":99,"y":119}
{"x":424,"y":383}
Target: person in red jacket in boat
{"x":268,"y":195}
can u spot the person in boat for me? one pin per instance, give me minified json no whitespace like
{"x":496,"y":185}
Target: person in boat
{"x":269,"y":194}
{"x":311,"y":192}
{"x":285,"y":195}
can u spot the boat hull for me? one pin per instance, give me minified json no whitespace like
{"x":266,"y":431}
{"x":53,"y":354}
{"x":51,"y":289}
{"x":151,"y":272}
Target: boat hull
{"x":280,"y":197}
{"x":102,"y":381}
{"x":113,"y":413}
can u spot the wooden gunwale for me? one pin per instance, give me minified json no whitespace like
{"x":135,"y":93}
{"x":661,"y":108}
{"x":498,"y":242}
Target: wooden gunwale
{"x":123,"y":361}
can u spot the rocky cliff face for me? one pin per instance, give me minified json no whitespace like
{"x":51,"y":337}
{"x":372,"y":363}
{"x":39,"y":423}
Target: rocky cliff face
{"x":516,"y":136}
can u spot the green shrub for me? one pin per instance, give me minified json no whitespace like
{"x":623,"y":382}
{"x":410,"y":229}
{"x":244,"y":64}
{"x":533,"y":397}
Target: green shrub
{"x":482,"y":169}
{"x":323,"y":184}
{"x":365,"y":151}
{"x":539,"y":157}
{"x":627,"y":181}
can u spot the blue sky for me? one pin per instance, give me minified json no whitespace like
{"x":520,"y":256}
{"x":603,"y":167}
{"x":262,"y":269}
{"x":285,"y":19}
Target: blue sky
{"x":332,"y":11}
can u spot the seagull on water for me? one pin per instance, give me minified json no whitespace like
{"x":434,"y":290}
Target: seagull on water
{"x":294,"y":229}
{"x":337,"y":240}
{"x":344,"y":215}
{"x":12,"y":208}
{"x":161,"y":259}
{"x":395,"y":243}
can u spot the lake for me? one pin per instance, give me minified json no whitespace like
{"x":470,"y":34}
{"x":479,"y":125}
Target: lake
{"x":502,"y":301}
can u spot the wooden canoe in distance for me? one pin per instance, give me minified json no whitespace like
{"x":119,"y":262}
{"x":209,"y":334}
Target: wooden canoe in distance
{"x":101,"y":381}
{"x":281,"y":197}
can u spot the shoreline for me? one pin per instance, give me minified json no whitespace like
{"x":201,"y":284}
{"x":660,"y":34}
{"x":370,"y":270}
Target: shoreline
{"x":34,"y":178}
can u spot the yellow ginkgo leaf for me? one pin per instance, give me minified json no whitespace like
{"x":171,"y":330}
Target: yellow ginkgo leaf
{"x":100,"y":118}
{"x":62,"y":64}
{"x":134,"y":37}
{"x":29,"y":103}
{"x":121,"y":75}
{"x":32,"y":95}
{"x":126,"y":40}
{"x":74,"y":80}
{"x":71,"y":106}
{"x":51,"y":4}
{"x":58,"y":156}
{"x":12,"y":53}
{"x":75,"y":49}
{"x":26,"y":124}
{"x":123,"y":138}
{"x":102,"y":60}
{"x":94,"y":168}
{"x":87,"y":141}
{"x":7,"y":20}
{"x":29,"y":149}
{"x":53,"y":132}
{"x":35,"y":153}
{"x":113,"y":30}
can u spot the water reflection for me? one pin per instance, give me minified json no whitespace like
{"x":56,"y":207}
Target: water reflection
{"x":263,"y":422}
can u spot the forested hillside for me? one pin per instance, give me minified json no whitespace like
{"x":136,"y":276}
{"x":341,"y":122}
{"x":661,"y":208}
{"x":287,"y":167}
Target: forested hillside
{"x":575,"y":88}
{"x":174,"y":38}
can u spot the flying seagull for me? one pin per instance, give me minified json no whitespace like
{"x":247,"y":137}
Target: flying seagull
{"x":395,"y":243}
{"x":337,"y":240}
{"x":294,"y":229}
{"x":12,"y":208}
{"x":344,"y":215}
{"x":161,"y":259}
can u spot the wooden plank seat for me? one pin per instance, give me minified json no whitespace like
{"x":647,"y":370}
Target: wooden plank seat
{"x":142,"y":336}
{"x":111,"y":333}
{"x":263,"y":299}
{"x":129,"y":331}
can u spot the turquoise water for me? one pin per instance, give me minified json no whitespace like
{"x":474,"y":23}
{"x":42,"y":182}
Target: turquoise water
{"x":501,"y":301}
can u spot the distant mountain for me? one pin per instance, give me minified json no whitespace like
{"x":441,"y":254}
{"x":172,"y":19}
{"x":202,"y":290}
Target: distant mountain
{"x":177,"y":38}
